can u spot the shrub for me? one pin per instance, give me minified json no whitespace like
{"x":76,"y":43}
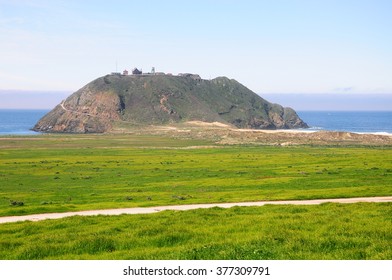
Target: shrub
{"x":16,"y":203}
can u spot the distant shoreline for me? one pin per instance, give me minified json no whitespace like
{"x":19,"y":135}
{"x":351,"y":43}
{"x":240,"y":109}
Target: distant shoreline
{"x":20,"y":125}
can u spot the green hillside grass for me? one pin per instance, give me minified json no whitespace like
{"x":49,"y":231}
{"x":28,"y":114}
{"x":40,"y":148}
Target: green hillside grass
{"x":221,"y":99}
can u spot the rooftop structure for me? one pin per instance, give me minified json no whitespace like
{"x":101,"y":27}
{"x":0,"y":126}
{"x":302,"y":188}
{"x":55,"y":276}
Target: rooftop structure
{"x":136,"y":71}
{"x":195,"y":77}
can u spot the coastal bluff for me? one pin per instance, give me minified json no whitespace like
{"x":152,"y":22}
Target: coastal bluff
{"x":140,"y":100}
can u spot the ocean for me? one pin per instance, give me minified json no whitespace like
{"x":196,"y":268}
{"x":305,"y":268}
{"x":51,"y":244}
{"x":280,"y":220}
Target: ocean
{"x":358,"y":122}
{"x":19,"y":122}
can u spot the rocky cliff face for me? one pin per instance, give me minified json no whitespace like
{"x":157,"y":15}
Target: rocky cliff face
{"x":162,"y":99}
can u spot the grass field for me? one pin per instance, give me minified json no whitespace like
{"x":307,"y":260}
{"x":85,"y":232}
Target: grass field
{"x":69,"y":173}
{"x":58,"y":173}
{"x":327,"y":231}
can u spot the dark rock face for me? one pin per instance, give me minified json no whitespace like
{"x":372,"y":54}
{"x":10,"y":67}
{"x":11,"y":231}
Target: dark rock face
{"x":115,"y":100}
{"x":86,"y":111}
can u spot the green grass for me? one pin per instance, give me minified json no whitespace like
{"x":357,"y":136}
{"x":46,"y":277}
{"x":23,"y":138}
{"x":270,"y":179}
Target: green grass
{"x":57,"y":173}
{"x":327,"y":231}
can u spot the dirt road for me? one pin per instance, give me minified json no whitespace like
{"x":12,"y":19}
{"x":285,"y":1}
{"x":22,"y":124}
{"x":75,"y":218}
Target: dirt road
{"x":148,"y":210}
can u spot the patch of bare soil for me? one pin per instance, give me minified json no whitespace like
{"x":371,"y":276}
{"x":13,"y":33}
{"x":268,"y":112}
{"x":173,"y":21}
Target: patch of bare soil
{"x":208,"y":124}
{"x":226,"y":135}
{"x":301,"y":138}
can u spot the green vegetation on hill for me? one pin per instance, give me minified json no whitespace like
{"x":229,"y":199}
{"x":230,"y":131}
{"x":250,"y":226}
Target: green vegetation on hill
{"x":163,"y":99}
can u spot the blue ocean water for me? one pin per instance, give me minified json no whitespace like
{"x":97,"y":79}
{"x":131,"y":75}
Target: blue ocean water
{"x":19,"y":122}
{"x":360,"y":122}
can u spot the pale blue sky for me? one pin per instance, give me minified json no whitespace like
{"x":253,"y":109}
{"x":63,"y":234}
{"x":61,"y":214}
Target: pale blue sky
{"x":270,"y":46}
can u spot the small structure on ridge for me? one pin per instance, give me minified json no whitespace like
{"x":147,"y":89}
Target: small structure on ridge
{"x":136,"y":71}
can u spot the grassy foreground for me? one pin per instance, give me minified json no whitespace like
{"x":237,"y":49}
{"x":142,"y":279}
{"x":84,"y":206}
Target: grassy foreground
{"x":73,"y":172}
{"x":69,"y":173}
{"x":327,"y":231}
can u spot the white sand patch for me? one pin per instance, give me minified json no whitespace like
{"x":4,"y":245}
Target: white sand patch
{"x":208,"y":124}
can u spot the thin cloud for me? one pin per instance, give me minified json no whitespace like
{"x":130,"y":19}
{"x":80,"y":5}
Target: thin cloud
{"x":344,"y":89}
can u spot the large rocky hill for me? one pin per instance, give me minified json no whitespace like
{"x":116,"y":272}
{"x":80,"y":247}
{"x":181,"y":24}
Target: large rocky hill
{"x":114,"y":100}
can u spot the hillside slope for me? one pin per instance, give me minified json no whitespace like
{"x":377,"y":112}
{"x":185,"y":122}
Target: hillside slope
{"x":162,"y":99}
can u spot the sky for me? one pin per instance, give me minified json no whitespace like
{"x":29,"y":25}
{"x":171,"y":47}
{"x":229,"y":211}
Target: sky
{"x":272,"y":47}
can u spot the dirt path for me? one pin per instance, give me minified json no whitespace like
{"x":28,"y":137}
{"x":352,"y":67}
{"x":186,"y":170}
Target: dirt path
{"x":149,"y":210}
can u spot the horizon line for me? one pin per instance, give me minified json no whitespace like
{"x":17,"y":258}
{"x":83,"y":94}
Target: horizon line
{"x":297,"y":110}
{"x":259,"y":93}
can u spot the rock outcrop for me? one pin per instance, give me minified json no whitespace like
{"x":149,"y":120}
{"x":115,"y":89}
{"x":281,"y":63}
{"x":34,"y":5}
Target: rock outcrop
{"x":117,"y":100}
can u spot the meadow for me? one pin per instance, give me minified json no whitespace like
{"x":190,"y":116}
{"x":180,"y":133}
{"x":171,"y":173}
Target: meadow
{"x":69,"y":173}
{"x":328,"y":231}
{"x":58,"y":173}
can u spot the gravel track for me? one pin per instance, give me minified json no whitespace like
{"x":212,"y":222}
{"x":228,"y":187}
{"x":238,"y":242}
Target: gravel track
{"x":149,"y":210}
